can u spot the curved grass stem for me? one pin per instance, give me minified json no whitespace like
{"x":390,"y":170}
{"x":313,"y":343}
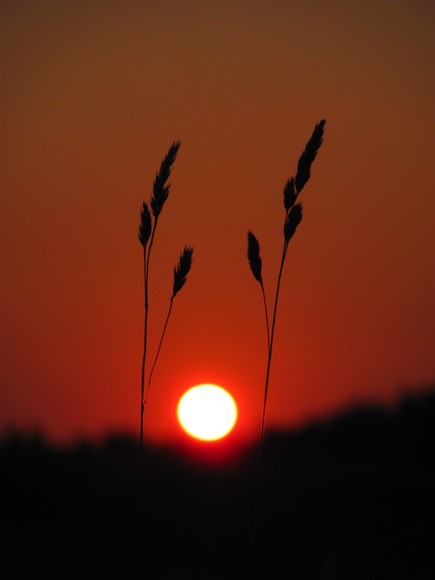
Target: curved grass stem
{"x":293,"y":217}
{"x":146,"y":266}
{"x":266,"y":315}
{"x":158,"y":349}
{"x":142,"y":380}
{"x":270,"y":346}
{"x":270,"y":337}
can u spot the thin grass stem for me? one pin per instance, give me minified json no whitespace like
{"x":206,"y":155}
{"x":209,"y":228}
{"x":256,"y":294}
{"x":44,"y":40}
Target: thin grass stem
{"x":158,"y":350}
{"x":142,"y":381}
{"x":270,"y":348}
{"x":266,"y":314}
{"x":147,"y":255}
{"x":293,"y":217}
{"x":270,"y":338}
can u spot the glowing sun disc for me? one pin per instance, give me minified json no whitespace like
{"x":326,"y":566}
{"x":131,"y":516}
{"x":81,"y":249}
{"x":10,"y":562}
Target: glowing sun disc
{"x":207,"y":412}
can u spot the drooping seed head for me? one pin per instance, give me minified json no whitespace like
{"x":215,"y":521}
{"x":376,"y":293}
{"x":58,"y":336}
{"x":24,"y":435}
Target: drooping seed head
{"x":290,"y":194}
{"x":293,"y":220}
{"x":308,"y":156}
{"x":161,"y":187}
{"x":145,"y":225}
{"x":182,"y":269}
{"x":254,"y":257}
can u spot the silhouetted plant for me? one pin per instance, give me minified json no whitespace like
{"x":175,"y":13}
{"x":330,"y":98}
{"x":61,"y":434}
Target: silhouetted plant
{"x":293,"y":217}
{"x":180,"y":276}
{"x":147,"y":230}
{"x":255,"y":264}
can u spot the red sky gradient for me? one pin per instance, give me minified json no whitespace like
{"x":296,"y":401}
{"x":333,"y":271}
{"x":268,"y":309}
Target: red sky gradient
{"x":93,"y":93}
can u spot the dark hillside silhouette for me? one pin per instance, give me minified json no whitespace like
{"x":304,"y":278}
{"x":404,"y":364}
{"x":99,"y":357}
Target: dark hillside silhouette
{"x":350,"y":497}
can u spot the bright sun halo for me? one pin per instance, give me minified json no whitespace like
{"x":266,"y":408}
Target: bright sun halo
{"x":207,"y":412}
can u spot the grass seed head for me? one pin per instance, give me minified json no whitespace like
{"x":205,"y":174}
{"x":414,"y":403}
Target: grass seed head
{"x":293,"y":220}
{"x":182,"y":269}
{"x":290,"y":194}
{"x":145,"y":225}
{"x":254,"y":257}
{"x":161,"y":187}
{"x":308,"y":156}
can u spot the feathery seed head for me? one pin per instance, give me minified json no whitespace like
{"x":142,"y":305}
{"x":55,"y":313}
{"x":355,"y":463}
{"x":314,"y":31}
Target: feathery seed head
{"x":182,"y":269}
{"x":161,"y":187}
{"x":293,"y":220}
{"x":145,"y":225}
{"x":290,"y":194}
{"x":254,"y":257}
{"x":308,"y":156}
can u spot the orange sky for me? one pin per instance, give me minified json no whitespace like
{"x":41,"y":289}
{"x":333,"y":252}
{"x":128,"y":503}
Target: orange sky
{"x":93,"y":94}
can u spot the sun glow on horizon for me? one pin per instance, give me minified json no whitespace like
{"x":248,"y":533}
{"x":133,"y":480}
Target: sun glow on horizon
{"x":207,"y":412}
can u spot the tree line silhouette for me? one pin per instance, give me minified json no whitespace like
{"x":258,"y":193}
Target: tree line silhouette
{"x":351,"y":497}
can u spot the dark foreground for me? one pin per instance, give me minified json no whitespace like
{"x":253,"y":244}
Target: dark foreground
{"x":352,"y":498}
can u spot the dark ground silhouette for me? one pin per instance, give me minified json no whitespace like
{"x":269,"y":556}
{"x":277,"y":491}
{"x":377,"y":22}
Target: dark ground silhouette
{"x":349,"y":498}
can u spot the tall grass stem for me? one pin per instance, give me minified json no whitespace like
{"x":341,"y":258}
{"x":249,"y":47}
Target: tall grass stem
{"x":293,"y":217}
{"x":158,"y":350}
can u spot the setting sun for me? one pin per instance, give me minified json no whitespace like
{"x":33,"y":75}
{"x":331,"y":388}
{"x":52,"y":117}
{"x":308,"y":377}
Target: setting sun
{"x":207,"y":412}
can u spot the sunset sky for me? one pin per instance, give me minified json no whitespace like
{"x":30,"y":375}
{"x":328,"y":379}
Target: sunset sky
{"x":93,"y":94}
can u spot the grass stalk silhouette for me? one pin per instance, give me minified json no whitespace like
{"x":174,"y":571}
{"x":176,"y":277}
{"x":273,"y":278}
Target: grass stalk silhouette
{"x":255,"y":264}
{"x":292,"y":219}
{"x":180,"y":276}
{"x":147,"y":229}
